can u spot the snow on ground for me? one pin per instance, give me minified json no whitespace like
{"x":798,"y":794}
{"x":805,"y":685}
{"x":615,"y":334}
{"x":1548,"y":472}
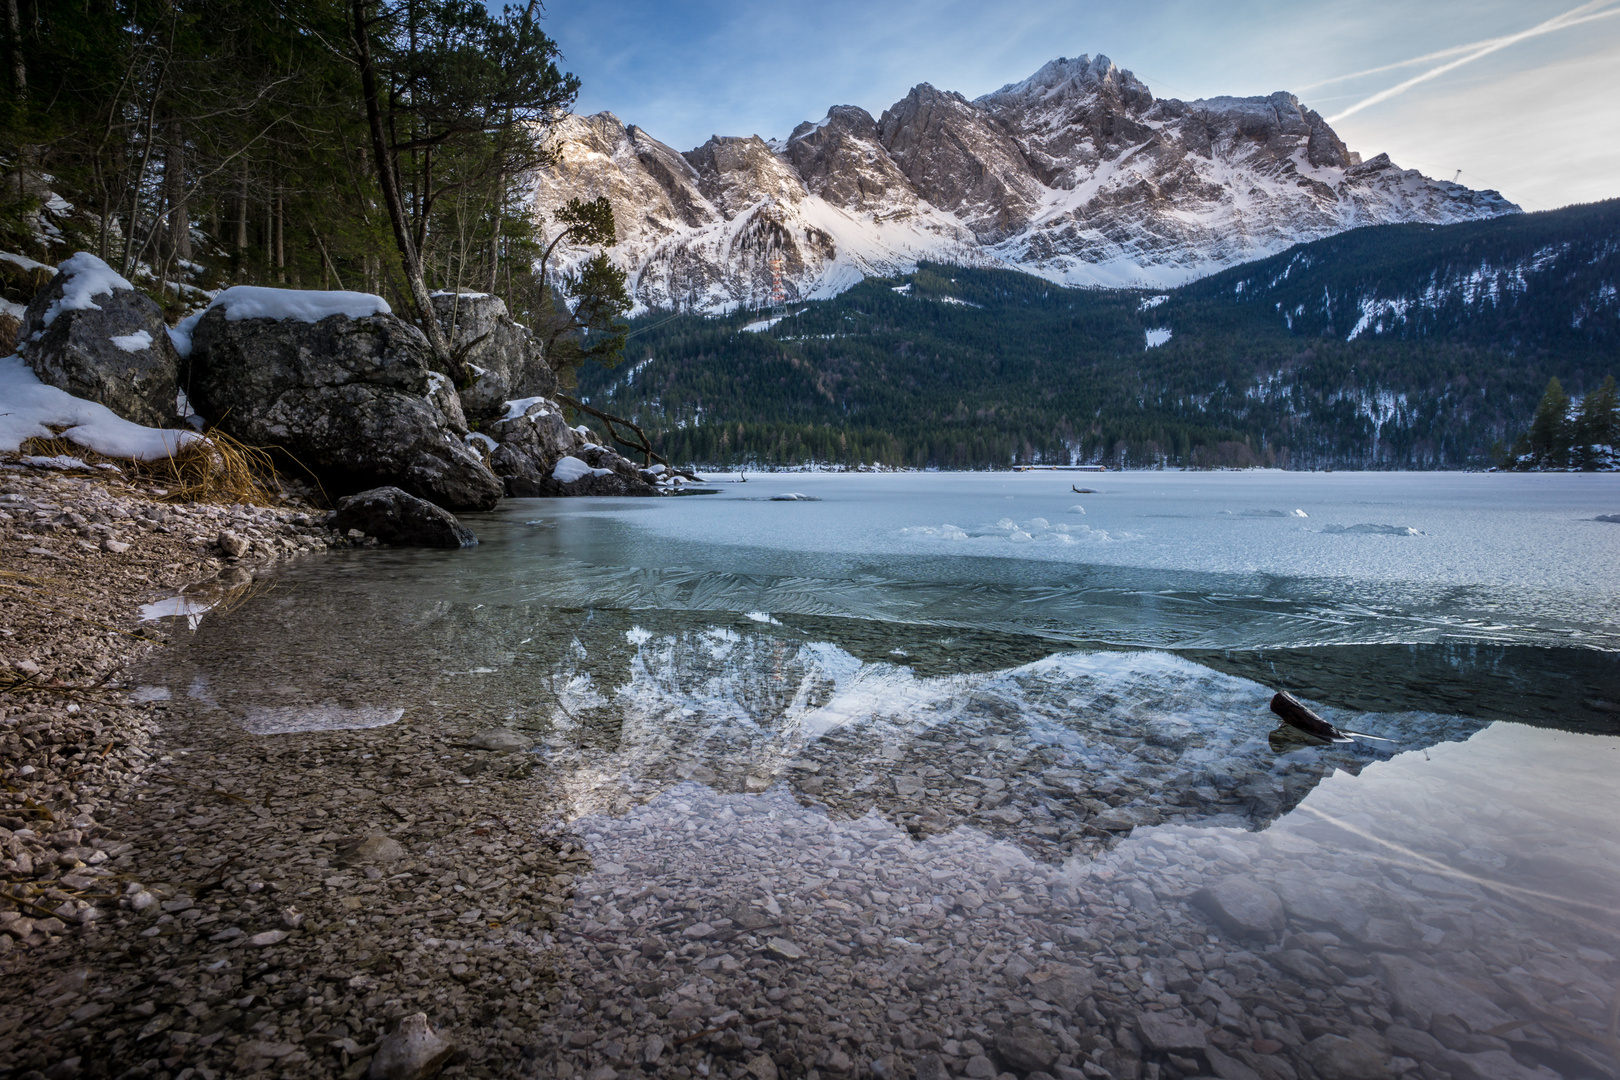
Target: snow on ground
{"x":517,"y":408}
{"x":29,"y":406}
{"x":1158,"y":336}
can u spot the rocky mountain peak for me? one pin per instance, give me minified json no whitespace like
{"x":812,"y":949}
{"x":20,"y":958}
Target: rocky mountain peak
{"x":1077,"y":173}
{"x":1065,"y":79}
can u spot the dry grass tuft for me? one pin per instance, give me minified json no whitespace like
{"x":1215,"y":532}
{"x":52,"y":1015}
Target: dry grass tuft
{"x":213,"y":469}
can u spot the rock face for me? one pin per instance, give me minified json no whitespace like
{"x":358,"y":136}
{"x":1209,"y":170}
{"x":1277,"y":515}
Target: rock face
{"x":504,"y":356}
{"x":353,"y":399}
{"x":414,"y":1052}
{"x":401,"y":520}
{"x":538,"y":454}
{"x":90,"y":333}
{"x":1078,"y":174}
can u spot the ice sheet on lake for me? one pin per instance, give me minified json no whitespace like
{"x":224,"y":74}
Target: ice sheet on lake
{"x":1007,"y":531}
{"x":184,"y":607}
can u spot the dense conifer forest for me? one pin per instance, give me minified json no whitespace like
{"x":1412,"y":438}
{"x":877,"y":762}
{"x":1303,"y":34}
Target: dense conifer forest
{"x":1264,"y":364}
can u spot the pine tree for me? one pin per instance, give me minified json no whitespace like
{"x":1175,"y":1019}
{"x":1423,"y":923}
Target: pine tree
{"x":1597,"y":428}
{"x":1550,"y":432}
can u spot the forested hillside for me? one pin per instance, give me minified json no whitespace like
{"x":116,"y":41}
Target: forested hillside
{"x":958,"y":368}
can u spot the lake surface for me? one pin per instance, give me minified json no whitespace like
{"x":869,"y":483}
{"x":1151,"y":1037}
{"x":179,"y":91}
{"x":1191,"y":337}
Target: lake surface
{"x":970,"y":774}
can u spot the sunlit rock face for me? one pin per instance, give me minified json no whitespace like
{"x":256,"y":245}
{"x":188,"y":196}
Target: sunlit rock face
{"x":1078,"y":174}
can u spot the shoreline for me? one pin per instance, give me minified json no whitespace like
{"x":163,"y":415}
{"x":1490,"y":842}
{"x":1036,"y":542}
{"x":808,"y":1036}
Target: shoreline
{"x":193,"y":904}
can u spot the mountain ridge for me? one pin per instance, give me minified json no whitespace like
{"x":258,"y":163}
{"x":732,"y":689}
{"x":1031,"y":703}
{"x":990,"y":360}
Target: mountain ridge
{"x":1077,"y":174}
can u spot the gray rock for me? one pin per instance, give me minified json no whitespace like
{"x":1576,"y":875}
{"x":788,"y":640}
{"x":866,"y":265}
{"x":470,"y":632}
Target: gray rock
{"x":1335,"y":1057}
{"x":505,"y":359}
{"x":413,"y":1052}
{"x":355,"y":400}
{"x":232,"y":543}
{"x":531,"y":445}
{"x":1166,"y":1034}
{"x":399,"y":519}
{"x":1242,"y":907}
{"x":1227,"y":1067}
{"x":375,"y":848}
{"x":1420,"y":992}
{"x":1062,"y":985}
{"x":1026,"y":1047}
{"x":499,"y":739}
{"x":73,"y":348}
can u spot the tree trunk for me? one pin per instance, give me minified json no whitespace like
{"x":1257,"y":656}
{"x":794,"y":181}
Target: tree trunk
{"x":398,"y":217}
{"x":495,"y":235}
{"x":177,"y":240}
{"x":281,"y":250}
{"x":19,"y":63}
{"x":242,"y":217}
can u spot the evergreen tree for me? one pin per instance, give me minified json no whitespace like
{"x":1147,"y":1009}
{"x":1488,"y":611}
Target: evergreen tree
{"x":1597,"y":428}
{"x":1550,"y":433}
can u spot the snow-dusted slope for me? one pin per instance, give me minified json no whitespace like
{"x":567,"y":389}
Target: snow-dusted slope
{"x":1078,"y":174}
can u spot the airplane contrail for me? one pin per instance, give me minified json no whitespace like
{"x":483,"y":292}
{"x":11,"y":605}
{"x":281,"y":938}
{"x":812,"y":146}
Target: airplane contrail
{"x":1573,"y":17}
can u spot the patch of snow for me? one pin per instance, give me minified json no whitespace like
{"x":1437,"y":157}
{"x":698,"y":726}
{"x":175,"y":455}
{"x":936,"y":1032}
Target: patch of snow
{"x":304,"y":305}
{"x":24,"y":262}
{"x":518,"y":407}
{"x":762,"y":617}
{"x":86,"y":277}
{"x":31,"y":409}
{"x":1157,"y":336}
{"x":1149,"y":302}
{"x":570,"y":468}
{"x":63,"y":462}
{"x":139,"y":341}
{"x":902,"y":289}
{"x":479,"y":437}
{"x":794,"y":496}
{"x":960,"y":303}
{"x":762,"y":325}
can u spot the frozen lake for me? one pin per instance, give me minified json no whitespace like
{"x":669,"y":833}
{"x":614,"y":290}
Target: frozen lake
{"x":982,"y":768}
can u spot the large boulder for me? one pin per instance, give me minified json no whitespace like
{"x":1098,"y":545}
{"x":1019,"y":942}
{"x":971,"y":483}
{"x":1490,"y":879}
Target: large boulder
{"x":399,"y":519}
{"x":90,"y":333}
{"x":505,"y":359}
{"x":341,"y":385}
{"x":536,"y":453}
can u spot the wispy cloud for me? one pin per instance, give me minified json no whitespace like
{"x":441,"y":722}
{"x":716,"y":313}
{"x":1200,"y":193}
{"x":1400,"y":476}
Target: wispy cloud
{"x":1465,"y":54}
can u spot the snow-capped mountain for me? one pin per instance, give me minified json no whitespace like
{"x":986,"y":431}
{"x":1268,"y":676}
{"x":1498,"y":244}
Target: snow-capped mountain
{"x":1078,"y":174}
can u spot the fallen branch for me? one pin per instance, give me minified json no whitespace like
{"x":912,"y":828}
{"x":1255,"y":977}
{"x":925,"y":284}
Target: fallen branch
{"x":642,"y":447}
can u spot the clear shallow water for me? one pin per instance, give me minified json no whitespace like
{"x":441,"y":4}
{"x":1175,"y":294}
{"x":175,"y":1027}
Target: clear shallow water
{"x":946,"y":741}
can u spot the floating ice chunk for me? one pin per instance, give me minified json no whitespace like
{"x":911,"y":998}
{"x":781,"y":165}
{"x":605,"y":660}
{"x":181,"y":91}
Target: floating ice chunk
{"x":139,"y":341}
{"x":1019,"y":536}
{"x":177,"y":607}
{"x":570,"y":468}
{"x":1370,"y":529}
{"x":794,"y":496}
{"x":326,"y":716}
{"x":1077,"y":509}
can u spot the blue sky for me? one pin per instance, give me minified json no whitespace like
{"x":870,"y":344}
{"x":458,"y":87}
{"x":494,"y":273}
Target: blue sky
{"x":1537,"y":118}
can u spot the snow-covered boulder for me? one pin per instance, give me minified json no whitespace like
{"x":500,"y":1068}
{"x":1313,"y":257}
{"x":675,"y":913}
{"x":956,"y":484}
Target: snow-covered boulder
{"x":538,"y":454}
{"x":91,"y":334}
{"x":343,"y":386}
{"x":399,"y":519}
{"x":504,"y":357}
